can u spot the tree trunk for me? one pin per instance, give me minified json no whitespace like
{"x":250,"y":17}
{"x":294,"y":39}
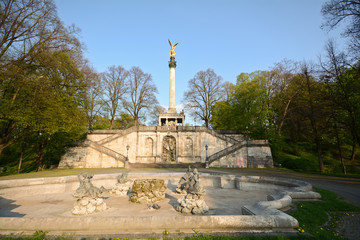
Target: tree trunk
{"x":319,"y":150}
{"x":285,"y":113}
{"x":353,"y":154}
{"x":40,"y":156}
{"x":111,"y":123}
{"x":90,"y":125}
{"x":283,"y":117}
{"x":21,"y":155}
{"x":314,"y":123}
{"x":339,"y":148}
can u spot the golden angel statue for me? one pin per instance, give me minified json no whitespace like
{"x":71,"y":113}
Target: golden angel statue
{"x":172,"y":50}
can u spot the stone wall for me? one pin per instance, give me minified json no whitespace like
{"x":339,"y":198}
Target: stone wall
{"x":74,"y":157}
{"x":166,"y":145}
{"x":260,"y":157}
{"x":237,"y":159}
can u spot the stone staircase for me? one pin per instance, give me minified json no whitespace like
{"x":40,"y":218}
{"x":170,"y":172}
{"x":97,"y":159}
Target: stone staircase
{"x":221,"y":136}
{"x":98,"y":145}
{"x":115,"y":136}
{"x":225,"y":152}
{"x":107,"y":151}
{"x":233,"y":148}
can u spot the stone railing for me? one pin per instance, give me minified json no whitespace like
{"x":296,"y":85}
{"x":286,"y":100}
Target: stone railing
{"x":235,"y":147}
{"x":118,"y":133}
{"x":223,"y":137}
{"x":108,"y":151}
{"x":225,"y":152}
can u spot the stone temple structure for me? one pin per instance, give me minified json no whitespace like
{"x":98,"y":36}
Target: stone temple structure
{"x":169,"y":142}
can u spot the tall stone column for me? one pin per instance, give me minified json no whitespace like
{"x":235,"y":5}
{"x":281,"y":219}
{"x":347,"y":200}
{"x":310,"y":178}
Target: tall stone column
{"x":172,"y":66}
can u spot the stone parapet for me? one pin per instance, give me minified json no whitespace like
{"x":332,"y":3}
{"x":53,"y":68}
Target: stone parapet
{"x":151,"y":144}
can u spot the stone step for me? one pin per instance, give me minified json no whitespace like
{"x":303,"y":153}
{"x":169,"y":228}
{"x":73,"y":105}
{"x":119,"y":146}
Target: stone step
{"x":166,"y":165}
{"x":108,"y":151}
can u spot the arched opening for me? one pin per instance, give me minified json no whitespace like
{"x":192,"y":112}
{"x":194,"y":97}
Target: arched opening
{"x":188,"y":147}
{"x":169,"y":149}
{"x":149,"y":146}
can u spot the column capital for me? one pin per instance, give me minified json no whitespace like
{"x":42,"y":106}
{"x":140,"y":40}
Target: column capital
{"x":172,"y":62}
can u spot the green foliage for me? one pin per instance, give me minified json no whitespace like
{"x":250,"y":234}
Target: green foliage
{"x":53,"y":151}
{"x":302,"y":156}
{"x":222,"y":116}
{"x":207,"y":237}
{"x":247,"y":108}
{"x":125,"y":121}
{"x":43,"y":105}
{"x":100,"y":122}
{"x":310,"y":123}
{"x":42,"y":86}
{"x":9,"y":160}
{"x":40,"y":234}
{"x":305,"y":162}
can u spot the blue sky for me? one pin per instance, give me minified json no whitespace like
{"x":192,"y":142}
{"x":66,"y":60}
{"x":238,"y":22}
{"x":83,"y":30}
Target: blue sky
{"x":229,"y":36}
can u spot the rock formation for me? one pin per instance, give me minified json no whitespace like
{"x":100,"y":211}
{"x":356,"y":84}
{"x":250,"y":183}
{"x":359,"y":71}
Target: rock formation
{"x":148,"y":191}
{"x":88,"y":196}
{"x":184,"y":181}
{"x":193,"y":202}
{"x":123,"y":186}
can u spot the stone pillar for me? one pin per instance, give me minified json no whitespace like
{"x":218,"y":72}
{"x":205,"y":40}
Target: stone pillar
{"x":172,"y":66}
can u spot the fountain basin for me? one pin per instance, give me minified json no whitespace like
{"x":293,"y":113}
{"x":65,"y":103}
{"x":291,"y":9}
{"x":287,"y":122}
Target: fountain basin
{"x":237,"y":204}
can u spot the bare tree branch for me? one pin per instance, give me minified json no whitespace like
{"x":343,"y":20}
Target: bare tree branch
{"x":205,"y":89}
{"x":140,"y":95}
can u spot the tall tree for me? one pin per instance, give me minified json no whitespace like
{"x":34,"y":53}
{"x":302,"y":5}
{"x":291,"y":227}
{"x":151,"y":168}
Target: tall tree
{"x":26,"y":26}
{"x":31,"y":37}
{"x":229,"y":90}
{"x":94,"y":94}
{"x":204,"y":90}
{"x":114,"y":81}
{"x":248,"y":107}
{"x":312,"y":108}
{"x":140,"y":96}
{"x":283,"y":91}
{"x":49,"y":99}
{"x":343,"y":81}
{"x":223,"y":116}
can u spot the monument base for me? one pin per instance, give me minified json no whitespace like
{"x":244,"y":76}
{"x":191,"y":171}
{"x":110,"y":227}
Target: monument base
{"x":171,"y":118}
{"x":171,"y":110}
